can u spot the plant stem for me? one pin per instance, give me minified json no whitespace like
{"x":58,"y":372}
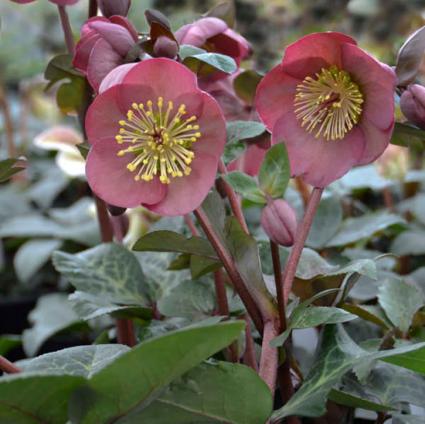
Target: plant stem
{"x":66,"y":28}
{"x":191,"y":225}
{"x":249,"y":357}
{"x":269,"y":356}
{"x":302,"y":188}
{"x":233,"y":199}
{"x":300,"y":238}
{"x":7,"y":366}
{"x":388,"y":199}
{"x":380,"y":419}
{"x":92,"y":8}
{"x":231,"y":269}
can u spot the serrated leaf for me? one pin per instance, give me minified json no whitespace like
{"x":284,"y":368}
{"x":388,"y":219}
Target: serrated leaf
{"x":211,"y":393}
{"x":245,"y":185}
{"x":400,"y":301}
{"x":141,"y":374}
{"x":275,"y":173}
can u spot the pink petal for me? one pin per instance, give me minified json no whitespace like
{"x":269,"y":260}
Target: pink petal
{"x":110,"y":107}
{"x":124,"y":22}
{"x":275,"y":95}
{"x":85,"y":29}
{"x":319,"y":162}
{"x":377,"y":141}
{"x":109,"y":178}
{"x":377,"y":82}
{"x":197,"y":33}
{"x":185,"y":194}
{"x":166,"y":77}
{"x":83,"y":49}
{"x":103,"y":59}
{"x":115,"y":77}
{"x":227,"y":45}
{"x":324,"y":48}
{"x":117,"y":36}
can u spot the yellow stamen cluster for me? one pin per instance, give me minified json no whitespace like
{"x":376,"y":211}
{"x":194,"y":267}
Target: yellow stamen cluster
{"x":160,"y":140}
{"x":328,"y":105}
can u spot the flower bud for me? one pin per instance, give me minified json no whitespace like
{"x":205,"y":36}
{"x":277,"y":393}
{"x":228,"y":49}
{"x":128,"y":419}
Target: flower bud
{"x":279,"y":221}
{"x":114,"y":7}
{"x":165,"y":47}
{"x":412,"y":104}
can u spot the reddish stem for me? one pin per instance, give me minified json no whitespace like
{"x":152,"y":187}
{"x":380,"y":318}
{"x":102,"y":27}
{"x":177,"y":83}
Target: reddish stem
{"x":67,"y":30}
{"x":388,"y":199}
{"x":7,"y":366}
{"x":191,"y":225}
{"x":303,"y":189}
{"x":300,"y":238}
{"x":220,"y":291}
{"x":269,"y":356}
{"x":249,"y":357}
{"x":231,"y":269}
{"x":233,"y":198}
{"x":92,"y":8}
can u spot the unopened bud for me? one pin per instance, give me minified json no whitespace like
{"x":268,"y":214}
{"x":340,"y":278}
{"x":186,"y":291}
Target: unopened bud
{"x":114,"y":7}
{"x":165,"y":47}
{"x":279,"y":221}
{"x":412,"y":104}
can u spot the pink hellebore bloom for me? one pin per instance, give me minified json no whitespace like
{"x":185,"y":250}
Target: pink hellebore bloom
{"x":412,"y":104}
{"x":331,"y":103}
{"x":104,"y":45}
{"x":214,"y":35}
{"x":156,"y":139}
{"x":58,"y":2}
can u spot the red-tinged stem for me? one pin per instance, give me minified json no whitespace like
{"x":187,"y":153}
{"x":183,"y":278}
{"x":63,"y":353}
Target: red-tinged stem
{"x":67,"y":30}
{"x":302,"y":188}
{"x":249,"y":357}
{"x":92,"y":8}
{"x":300,"y":238}
{"x":191,"y":225}
{"x":7,"y":366}
{"x":125,"y":332}
{"x":118,"y":228}
{"x":269,"y":356}
{"x":233,"y":199}
{"x":230,"y":267}
{"x":388,"y":199}
{"x":220,"y":291}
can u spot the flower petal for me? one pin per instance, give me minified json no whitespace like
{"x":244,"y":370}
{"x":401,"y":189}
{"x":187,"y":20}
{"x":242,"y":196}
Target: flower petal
{"x":197,"y":33}
{"x":109,"y":178}
{"x":185,"y":194}
{"x":83,"y":50}
{"x":318,"y":161}
{"x":377,"y":82}
{"x":275,"y":95}
{"x":318,"y":49}
{"x":115,"y":77}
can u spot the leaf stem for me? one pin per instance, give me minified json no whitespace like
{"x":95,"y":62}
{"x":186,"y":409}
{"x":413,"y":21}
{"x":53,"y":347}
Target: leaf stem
{"x":66,"y":28}
{"x":7,"y":366}
{"x":302,"y":189}
{"x":231,"y":269}
{"x":191,"y":225}
{"x":300,"y":238}
{"x":269,"y":356}
{"x":249,"y":357}
{"x":233,"y":199}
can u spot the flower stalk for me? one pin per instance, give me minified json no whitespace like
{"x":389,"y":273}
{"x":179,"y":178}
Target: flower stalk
{"x":8,"y":367}
{"x":66,"y":28}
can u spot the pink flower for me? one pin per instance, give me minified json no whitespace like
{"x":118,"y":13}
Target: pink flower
{"x":279,"y":222}
{"x":156,"y":139}
{"x":331,"y":103}
{"x":412,"y":104}
{"x":104,"y":45}
{"x":58,"y":2}
{"x":214,"y":35}
{"x":114,"y":7}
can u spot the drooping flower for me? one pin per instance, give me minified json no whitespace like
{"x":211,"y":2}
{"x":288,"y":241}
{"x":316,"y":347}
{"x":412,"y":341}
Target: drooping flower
{"x":214,"y":35}
{"x":279,"y":222}
{"x":412,"y":104}
{"x":114,"y":7}
{"x":156,"y":139}
{"x":104,"y":45}
{"x":331,"y":103}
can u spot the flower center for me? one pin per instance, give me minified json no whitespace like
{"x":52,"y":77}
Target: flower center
{"x":328,"y":105}
{"x":160,"y":140}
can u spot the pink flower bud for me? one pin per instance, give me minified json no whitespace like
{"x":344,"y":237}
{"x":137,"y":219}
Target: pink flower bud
{"x":412,"y":104}
{"x":279,"y":221}
{"x":114,"y":7}
{"x":165,"y":47}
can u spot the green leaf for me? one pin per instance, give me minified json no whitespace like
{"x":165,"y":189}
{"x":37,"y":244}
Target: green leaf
{"x":400,"y":301}
{"x":9,"y":342}
{"x":243,"y":130}
{"x":194,"y":300}
{"x":211,"y":393}
{"x":246,"y":186}
{"x":326,"y":223}
{"x":108,"y":271}
{"x":275,"y":171}
{"x":414,"y":360}
{"x":245,"y":85}
{"x":81,"y":360}
{"x":355,"y":229}
{"x":225,"y":11}
{"x":410,"y":242}
{"x":59,"y":68}
{"x":407,"y":419}
{"x":8,"y":168}
{"x":204,"y":63}
{"x":139,"y":376}
{"x":31,"y":256}
{"x":352,"y":401}
{"x":200,"y":265}
{"x":169,"y":241}
{"x":365,"y":312}
{"x":408,"y":136}
{"x":29,"y":399}
{"x":52,"y":314}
